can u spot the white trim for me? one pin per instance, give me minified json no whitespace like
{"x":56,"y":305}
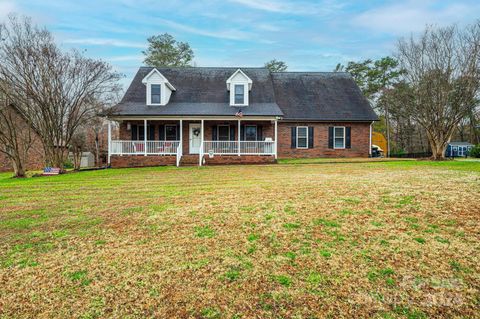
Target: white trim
{"x":229,"y":80}
{"x":276,"y":144}
{"x":245,"y":95}
{"x":193,"y":118}
{"x":306,"y":136}
{"x":154,"y":70}
{"x":200,"y":152}
{"x":145,"y":135}
{"x":149,"y":93}
{"x":238,"y":136}
{"x":218,"y":132}
{"x":344,"y":137}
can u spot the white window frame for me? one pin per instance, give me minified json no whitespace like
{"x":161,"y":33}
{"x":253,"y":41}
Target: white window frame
{"x":306,"y":136}
{"x":245,"y":132}
{"x":218,"y":132}
{"x":334,"y":137}
{"x":245,"y":94}
{"x":161,"y":94}
{"x":165,"y":131}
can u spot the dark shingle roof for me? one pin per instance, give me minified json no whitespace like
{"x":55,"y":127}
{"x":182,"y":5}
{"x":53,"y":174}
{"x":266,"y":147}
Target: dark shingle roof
{"x":328,"y":96}
{"x":293,"y":95}
{"x":201,"y":91}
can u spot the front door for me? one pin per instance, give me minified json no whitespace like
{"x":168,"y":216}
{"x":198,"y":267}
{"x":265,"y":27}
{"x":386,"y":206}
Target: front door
{"x":195,"y":137}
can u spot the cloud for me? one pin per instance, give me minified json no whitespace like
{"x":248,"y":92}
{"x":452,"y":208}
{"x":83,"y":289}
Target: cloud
{"x":6,"y":7}
{"x":125,"y":58}
{"x":413,"y":16}
{"x":221,"y":34}
{"x":291,"y":7}
{"x":106,"y":42}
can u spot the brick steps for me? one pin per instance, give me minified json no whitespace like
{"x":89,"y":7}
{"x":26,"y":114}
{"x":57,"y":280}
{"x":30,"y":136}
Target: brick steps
{"x":189,"y":160}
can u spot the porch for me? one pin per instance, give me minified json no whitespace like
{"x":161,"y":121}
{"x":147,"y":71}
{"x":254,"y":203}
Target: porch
{"x":205,"y":139}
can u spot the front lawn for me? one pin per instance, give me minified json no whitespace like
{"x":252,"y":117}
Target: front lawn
{"x":378,"y":239}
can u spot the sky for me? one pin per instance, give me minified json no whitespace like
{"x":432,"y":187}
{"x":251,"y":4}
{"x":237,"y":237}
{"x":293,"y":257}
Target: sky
{"x":307,"y":35}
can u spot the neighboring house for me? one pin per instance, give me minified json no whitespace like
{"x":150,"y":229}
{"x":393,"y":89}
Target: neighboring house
{"x":202,"y":116}
{"x":86,"y":160}
{"x":458,"y":149}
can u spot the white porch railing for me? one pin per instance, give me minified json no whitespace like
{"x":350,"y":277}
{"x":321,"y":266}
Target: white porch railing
{"x":138,"y":147}
{"x":246,"y":147}
{"x":179,"y":153}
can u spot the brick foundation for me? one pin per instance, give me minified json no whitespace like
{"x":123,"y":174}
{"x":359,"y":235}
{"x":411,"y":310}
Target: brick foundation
{"x":142,"y":161}
{"x":243,"y":159}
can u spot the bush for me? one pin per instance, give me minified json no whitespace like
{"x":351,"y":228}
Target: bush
{"x":475,"y":151}
{"x":68,"y":164}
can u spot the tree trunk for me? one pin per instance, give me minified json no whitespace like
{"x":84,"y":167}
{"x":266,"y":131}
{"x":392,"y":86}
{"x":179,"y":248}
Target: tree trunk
{"x":438,"y":147}
{"x":18,"y":168}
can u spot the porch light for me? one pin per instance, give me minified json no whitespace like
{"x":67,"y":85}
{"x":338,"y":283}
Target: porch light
{"x":129,"y":126}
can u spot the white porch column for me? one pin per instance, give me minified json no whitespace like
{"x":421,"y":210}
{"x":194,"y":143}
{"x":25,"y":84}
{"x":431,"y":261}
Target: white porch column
{"x":200,"y":153}
{"x":181,"y":134}
{"x":238,"y":130}
{"x":145,"y":136}
{"x":370,"y":141}
{"x":109,"y":141}
{"x":276,"y":134}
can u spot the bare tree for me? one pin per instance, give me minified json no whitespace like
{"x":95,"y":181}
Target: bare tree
{"x":57,"y":91}
{"x":77,"y":146}
{"x":442,"y":69}
{"x":16,"y":137}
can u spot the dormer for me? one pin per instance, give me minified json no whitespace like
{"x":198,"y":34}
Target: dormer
{"x":158,"y":88}
{"x":239,"y":85}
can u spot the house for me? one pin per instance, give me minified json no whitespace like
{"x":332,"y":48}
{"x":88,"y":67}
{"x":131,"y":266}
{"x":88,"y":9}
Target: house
{"x":458,"y":149}
{"x":203,"y":116}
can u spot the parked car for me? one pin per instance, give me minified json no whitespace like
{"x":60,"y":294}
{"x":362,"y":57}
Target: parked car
{"x":376,"y":151}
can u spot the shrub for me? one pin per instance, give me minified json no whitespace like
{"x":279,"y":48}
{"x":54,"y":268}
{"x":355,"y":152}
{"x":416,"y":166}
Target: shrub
{"x":475,"y":151}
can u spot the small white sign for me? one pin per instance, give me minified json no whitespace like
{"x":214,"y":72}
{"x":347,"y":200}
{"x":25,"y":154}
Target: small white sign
{"x":210,"y":153}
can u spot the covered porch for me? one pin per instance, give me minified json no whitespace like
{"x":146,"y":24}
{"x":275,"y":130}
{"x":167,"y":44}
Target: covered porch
{"x":202,"y":138}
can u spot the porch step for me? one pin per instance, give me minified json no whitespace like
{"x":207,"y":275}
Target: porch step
{"x":189,"y":160}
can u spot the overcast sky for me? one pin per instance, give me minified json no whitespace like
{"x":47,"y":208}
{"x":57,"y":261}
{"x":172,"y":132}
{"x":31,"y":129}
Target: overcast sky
{"x":308,"y":35}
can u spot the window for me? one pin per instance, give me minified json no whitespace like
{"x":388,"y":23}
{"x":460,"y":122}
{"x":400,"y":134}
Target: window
{"x":155,"y":93}
{"x":250,"y":132}
{"x":170,"y":132}
{"x":141,"y":132}
{"x":302,"y":137}
{"x":223,"y":132}
{"x":339,"y":137}
{"x":239,"y":94}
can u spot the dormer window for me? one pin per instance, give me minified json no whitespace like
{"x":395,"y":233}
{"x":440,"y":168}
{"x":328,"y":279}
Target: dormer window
{"x":156,"y":93}
{"x":240,"y":94}
{"x":239,"y":85}
{"x":159,"y":89}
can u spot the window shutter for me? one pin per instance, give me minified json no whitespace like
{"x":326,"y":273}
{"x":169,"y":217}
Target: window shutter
{"x":151,"y":133}
{"x":294,"y":137}
{"x":232,"y":133}
{"x":134,"y":132}
{"x":242,"y":132}
{"x":348,"y":137}
{"x":161,"y":132}
{"x":214,"y":133}
{"x":310,"y":137}
{"x":259,"y":133}
{"x":178,"y":132}
{"x":330,"y":137}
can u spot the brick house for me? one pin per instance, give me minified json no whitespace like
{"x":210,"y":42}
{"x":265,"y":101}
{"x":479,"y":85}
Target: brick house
{"x":201,"y":116}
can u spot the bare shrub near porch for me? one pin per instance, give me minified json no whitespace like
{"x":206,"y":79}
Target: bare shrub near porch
{"x":442,"y":70}
{"x":57,"y":91}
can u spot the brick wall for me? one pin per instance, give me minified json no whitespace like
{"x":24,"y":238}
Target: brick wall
{"x":360,"y":135}
{"x":141,"y":161}
{"x":244,"y":159}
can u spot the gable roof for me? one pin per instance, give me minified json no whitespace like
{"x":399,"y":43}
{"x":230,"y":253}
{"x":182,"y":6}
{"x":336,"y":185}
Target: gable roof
{"x":155,"y":71}
{"x":323,"y":96}
{"x":291,"y":95}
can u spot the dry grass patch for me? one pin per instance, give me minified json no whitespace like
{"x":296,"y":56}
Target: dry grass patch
{"x":386,"y":240}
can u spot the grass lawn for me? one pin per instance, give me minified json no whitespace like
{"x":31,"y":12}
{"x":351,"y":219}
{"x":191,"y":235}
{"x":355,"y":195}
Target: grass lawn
{"x":380,"y":239}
